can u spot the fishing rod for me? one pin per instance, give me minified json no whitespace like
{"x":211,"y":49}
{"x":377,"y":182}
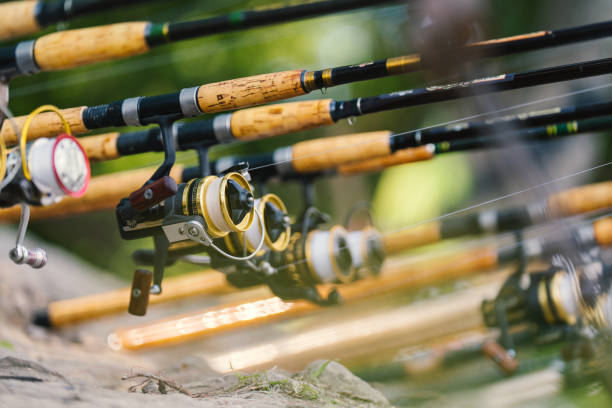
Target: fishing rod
{"x":74,"y":310}
{"x":74,"y":48}
{"x":128,"y":39}
{"x":407,"y":275}
{"x":18,"y":18}
{"x":574,"y":201}
{"x":374,"y":151}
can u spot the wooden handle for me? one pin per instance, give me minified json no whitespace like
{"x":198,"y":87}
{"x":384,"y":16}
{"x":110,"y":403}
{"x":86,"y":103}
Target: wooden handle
{"x":581,"y":199}
{"x":281,"y":119}
{"x":249,"y":91}
{"x":101,"y":147}
{"x":47,"y":124}
{"x":139,"y":292}
{"x":603,"y":231}
{"x":103,"y":193}
{"x":153,"y":193}
{"x":500,"y":356}
{"x":75,"y":48}
{"x":17,"y":19}
{"x":412,"y":237}
{"x":330,"y":152}
{"x":400,"y":157}
{"x":71,"y":311}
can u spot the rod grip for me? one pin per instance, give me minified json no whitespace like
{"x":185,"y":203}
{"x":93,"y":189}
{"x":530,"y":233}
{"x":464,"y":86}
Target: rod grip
{"x":581,"y":199}
{"x":139,"y":293}
{"x":17,"y":18}
{"x":75,"y":48}
{"x":103,"y":193}
{"x":101,"y":147}
{"x":69,"y":311}
{"x":603,"y":231}
{"x":412,"y":237}
{"x":403,"y":156}
{"x":320,"y":154}
{"x":249,"y":91}
{"x":280,"y":119}
{"x":46,"y":124}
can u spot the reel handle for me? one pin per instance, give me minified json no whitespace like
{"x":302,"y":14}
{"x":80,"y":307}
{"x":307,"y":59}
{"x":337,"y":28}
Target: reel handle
{"x":153,"y":193}
{"x":603,"y":231}
{"x":36,"y":257}
{"x":139,"y":292}
{"x":500,"y":356}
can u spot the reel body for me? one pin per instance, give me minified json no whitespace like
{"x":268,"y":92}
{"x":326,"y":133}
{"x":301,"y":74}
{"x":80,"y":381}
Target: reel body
{"x":58,"y":167}
{"x":204,"y":207}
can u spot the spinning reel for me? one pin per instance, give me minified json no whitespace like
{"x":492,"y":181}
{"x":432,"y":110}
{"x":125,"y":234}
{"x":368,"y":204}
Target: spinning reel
{"x":571,"y":297}
{"x":40,"y":173}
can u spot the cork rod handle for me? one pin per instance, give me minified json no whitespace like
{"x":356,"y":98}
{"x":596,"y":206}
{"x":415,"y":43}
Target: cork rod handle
{"x":280,"y":119}
{"x":17,"y":18}
{"x":412,"y":237}
{"x":400,"y":157}
{"x":603,"y":231}
{"x":581,"y":199}
{"x":249,"y":91}
{"x":47,"y":124}
{"x":101,"y":147}
{"x":75,"y":48}
{"x":330,"y":152}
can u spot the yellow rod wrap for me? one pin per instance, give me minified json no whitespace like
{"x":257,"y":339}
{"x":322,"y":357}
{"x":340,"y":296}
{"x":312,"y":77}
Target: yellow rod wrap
{"x":24,"y":133}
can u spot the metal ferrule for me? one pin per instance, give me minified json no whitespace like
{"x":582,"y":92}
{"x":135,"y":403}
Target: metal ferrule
{"x":129,"y":111}
{"x":487,"y":221}
{"x":188,"y":99}
{"x":283,"y":160}
{"x":24,"y":57}
{"x":222,"y":126}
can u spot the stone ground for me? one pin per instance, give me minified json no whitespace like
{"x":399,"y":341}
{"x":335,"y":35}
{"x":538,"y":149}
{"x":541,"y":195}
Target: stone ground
{"x":40,"y":368}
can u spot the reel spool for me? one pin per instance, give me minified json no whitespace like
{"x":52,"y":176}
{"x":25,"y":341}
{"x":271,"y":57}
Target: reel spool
{"x":367,"y":250}
{"x":276,"y":233}
{"x":562,"y":295}
{"x":319,"y":257}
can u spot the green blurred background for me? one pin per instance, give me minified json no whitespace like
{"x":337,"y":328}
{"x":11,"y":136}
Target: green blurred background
{"x":400,"y":196}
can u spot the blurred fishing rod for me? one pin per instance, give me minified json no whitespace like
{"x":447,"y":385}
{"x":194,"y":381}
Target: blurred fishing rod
{"x":375,"y":151}
{"x":566,"y":203}
{"x":18,"y":18}
{"x":400,"y":276}
{"x":74,"y":48}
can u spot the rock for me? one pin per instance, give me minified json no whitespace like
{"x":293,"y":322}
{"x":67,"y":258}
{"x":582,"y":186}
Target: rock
{"x":336,"y":377}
